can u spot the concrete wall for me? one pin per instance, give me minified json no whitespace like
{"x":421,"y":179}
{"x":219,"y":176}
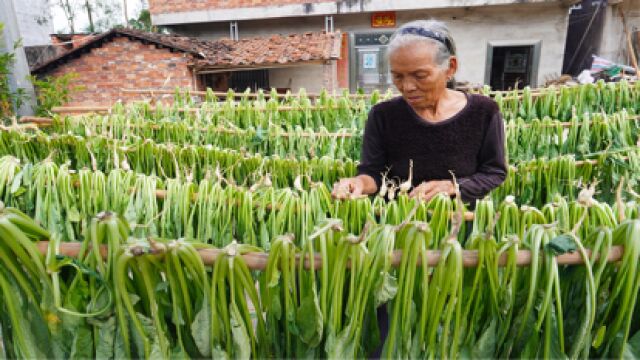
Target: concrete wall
{"x":614,"y":41}
{"x":473,"y":28}
{"x":168,"y":12}
{"x":309,"y":77}
{"x":34,"y":21}
{"x":18,"y":76}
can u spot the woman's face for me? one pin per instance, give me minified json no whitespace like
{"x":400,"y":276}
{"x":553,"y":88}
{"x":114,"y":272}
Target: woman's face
{"x":416,"y":75}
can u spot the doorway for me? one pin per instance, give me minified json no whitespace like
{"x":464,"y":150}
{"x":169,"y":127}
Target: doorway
{"x":512,"y":66}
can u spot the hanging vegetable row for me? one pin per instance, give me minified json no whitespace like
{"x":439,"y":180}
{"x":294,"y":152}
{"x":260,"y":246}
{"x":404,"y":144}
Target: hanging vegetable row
{"x":156,"y":298}
{"x":526,"y":139}
{"x":215,"y":210}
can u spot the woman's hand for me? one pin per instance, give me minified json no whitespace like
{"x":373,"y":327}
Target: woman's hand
{"x":348,"y":188}
{"x":354,"y":188}
{"x":429,"y":189}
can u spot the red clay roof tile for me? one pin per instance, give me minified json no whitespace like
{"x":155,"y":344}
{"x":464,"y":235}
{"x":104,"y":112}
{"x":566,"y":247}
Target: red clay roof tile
{"x":227,"y":53}
{"x":274,"y":49}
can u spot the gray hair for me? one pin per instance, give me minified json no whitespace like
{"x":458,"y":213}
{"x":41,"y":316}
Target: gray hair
{"x":400,"y":39}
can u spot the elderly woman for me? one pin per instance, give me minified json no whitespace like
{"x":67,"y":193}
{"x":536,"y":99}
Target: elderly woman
{"x":438,"y":129}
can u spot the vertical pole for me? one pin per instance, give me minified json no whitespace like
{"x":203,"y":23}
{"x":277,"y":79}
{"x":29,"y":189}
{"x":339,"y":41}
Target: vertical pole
{"x":233,"y":30}
{"x":630,"y":50}
{"x":328,"y":24}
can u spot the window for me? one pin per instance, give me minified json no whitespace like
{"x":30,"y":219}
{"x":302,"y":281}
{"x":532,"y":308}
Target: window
{"x":239,"y":81}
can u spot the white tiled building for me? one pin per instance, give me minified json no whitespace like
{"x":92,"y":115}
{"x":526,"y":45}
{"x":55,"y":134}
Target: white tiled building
{"x":499,"y":41}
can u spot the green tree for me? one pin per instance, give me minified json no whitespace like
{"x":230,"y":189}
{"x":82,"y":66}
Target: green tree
{"x":143,"y":22}
{"x":53,"y":91}
{"x":9,"y":100}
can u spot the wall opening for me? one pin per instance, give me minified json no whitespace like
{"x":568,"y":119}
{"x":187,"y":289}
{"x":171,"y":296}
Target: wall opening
{"x":251,"y":79}
{"x":215,"y":81}
{"x":237,"y":80}
{"x":512,"y":66}
{"x":368,"y":60}
{"x":584,"y":35}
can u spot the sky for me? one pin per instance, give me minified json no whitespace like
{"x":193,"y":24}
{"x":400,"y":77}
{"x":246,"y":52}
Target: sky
{"x":60,"y":24}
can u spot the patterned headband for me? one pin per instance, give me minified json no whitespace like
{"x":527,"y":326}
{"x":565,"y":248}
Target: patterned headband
{"x":431,"y":35}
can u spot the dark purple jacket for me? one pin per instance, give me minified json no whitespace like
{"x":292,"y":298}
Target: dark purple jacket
{"x":471,"y":144}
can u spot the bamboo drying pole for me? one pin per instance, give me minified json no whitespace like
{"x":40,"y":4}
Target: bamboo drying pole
{"x":46,"y":122}
{"x":38,"y":120}
{"x":569,"y":124}
{"x":534,"y":92}
{"x":80,"y":109}
{"x":153,"y":92}
{"x":577,"y":163}
{"x":258,"y":260}
{"x":106,"y":109}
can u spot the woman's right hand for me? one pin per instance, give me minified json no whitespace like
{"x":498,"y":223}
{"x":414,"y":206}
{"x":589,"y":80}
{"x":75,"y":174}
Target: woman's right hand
{"x":348,"y":188}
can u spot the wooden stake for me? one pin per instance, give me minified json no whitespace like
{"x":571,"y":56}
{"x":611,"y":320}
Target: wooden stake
{"x":44,"y":121}
{"x":632,"y":53}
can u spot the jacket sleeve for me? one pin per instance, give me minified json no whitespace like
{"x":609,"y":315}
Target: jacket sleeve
{"x":492,"y":167}
{"x":373,"y":154}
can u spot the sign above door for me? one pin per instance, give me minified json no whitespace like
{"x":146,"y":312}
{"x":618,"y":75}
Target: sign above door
{"x":386,"y":19}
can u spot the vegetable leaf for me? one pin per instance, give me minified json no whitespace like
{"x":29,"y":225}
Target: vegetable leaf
{"x":386,"y":289}
{"x":632,"y":350}
{"x":82,"y":347}
{"x":561,"y":244}
{"x":485,"y":347}
{"x":106,"y":338}
{"x":309,"y":320}
{"x":201,"y":329}
{"x":241,"y":341}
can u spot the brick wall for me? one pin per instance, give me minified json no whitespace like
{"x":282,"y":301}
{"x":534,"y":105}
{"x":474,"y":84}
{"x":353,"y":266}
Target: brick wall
{"x":330,"y":75}
{"x":125,"y":64}
{"x":175,"y":6}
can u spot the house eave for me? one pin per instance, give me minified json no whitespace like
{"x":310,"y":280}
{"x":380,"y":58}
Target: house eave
{"x":212,"y":69}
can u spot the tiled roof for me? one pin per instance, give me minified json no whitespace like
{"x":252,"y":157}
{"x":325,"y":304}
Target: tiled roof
{"x":173,"y":42}
{"x":273,"y":50}
{"x":225,"y":53}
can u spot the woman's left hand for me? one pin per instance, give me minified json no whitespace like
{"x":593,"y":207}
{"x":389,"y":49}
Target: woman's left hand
{"x":429,"y":189}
